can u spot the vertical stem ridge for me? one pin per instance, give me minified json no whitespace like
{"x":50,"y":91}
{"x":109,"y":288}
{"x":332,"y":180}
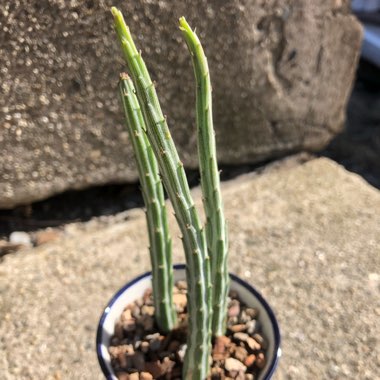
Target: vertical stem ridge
{"x":216,"y":231}
{"x":153,"y":194}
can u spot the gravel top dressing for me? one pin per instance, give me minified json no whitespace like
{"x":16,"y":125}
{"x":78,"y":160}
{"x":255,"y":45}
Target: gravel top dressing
{"x":140,"y":352}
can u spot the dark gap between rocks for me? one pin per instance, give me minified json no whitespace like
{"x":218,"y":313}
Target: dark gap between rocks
{"x":83,"y":205}
{"x":357,"y":148}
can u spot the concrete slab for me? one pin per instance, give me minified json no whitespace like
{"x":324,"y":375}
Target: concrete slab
{"x":307,"y":236}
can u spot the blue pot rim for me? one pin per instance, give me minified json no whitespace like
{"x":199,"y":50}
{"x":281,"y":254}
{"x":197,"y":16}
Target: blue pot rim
{"x":276,"y":329}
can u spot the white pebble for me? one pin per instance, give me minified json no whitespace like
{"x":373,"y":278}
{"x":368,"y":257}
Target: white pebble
{"x":19,"y":237}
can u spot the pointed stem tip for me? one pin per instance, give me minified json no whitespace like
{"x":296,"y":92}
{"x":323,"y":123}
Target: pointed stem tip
{"x":115,"y":12}
{"x":183,"y":24}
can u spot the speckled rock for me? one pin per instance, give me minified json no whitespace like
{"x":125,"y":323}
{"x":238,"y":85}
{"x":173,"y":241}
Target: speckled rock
{"x":306,"y":236}
{"x":281,"y":73}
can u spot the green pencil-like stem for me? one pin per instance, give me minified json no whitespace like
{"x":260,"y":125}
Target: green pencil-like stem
{"x":196,"y":365}
{"x":153,"y":194}
{"x":216,"y":230}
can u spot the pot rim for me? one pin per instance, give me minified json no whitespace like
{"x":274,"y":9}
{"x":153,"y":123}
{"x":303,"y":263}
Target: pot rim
{"x":250,"y":288}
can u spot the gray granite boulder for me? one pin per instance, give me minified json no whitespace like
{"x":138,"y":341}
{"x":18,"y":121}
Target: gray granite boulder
{"x":281,"y":72}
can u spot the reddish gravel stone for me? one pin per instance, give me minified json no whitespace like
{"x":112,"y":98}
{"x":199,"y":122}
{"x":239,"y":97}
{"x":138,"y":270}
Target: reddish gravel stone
{"x":250,"y":360}
{"x":152,"y":355}
{"x":238,"y":328}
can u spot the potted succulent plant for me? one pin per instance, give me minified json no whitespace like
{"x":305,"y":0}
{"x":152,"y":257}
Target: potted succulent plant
{"x":216,"y":301}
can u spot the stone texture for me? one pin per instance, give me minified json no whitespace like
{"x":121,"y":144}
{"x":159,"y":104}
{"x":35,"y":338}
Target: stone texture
{"x":307,"y":236}
{"x":281,"y":72}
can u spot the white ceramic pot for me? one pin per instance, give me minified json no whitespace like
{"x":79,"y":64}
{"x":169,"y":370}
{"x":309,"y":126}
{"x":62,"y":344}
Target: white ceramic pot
{"x":136,"y":289}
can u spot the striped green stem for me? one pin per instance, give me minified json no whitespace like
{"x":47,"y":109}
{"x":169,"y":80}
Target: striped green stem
{"x":153,"y":194}
{"x":216,"y":231}
{"x":196,"y":365}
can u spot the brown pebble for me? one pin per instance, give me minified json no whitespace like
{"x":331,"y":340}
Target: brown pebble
{"x":238,"y":328}
{"x":240,"y":353}
{"x":251,"y":312}
{"x":115,"y":351}
{"x":253,"y":344}
{"x":250,"y":360}
{"x":126,"y":315}
{"x":145,"y":376}
{"x":217,"y":373}
{"x":147,"y":298}
{"x":219,"y":351}
{"x":157,"y":368}
{"x":234,"y":309}
{"x":180,"y":301}
{"x":242,"y":337}
{"x":234,"y":365}
{"x":167,"y":365}
{"x":134,"y":376}
{"x":46,"y":236}
{"x":181,"y":285}
{"x":127,"y":321}
{"x":147,"y":310}
{"x":232,"y":321}
{"x":144,"y":346}
{"x":147,"y":322}
{"x":122,"y":375}
{"x":260,"y":339}
{"x":260,"y":360}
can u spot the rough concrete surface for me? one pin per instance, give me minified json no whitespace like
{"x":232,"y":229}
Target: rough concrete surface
{"x":281,"y":71}
{"x":307,"y":236}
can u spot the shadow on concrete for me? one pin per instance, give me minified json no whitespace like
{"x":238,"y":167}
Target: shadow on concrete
{"x":71,"y":206}
{"x":83,"y":205}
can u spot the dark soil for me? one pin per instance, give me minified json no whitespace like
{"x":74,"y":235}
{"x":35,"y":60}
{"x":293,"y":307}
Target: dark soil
{"x":140,"y":352}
